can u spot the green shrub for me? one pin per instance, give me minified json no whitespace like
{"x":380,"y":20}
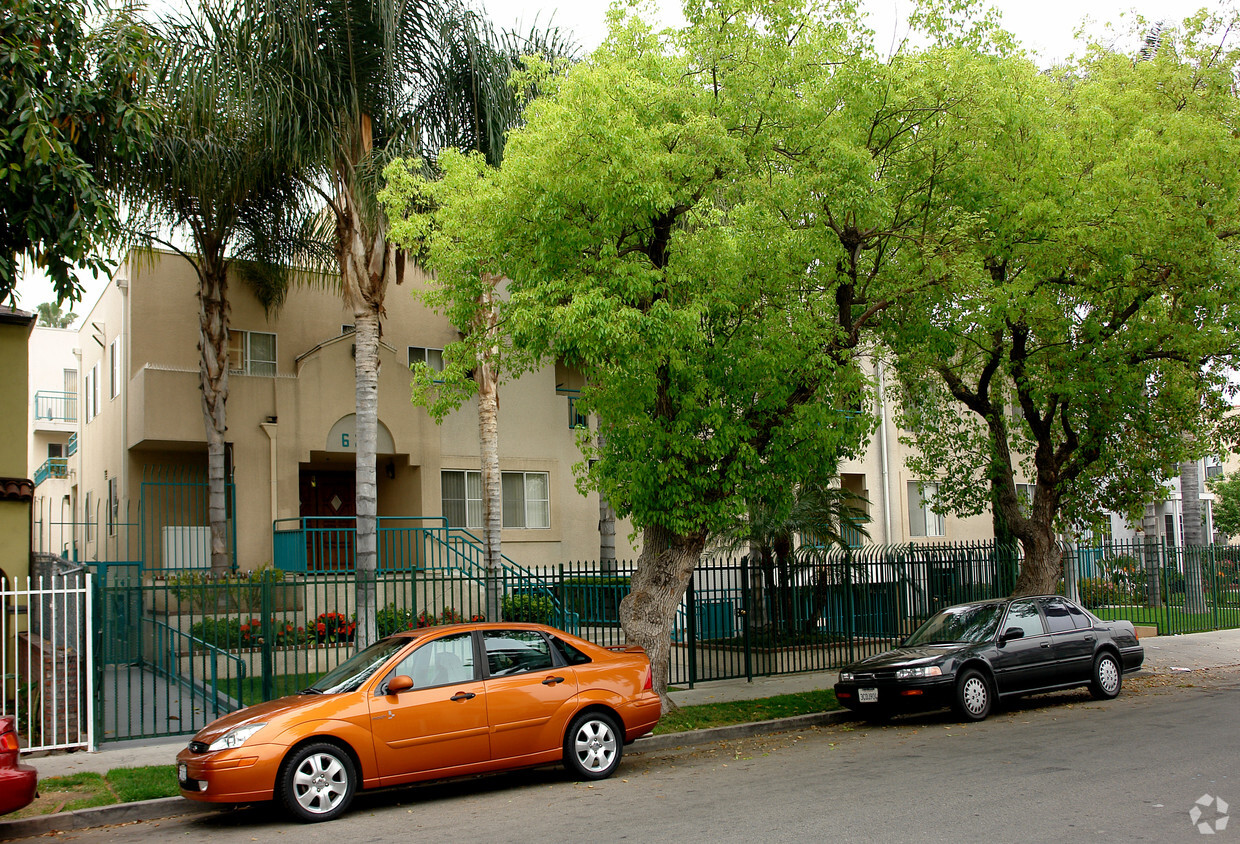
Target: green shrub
{"x":228,"y":632}
{"x":539,"y":609}
{"x":393,"y":619}
{"x":1098,"y":592}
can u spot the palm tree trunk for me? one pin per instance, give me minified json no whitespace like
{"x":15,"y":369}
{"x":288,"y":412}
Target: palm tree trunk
{"x":366,"y":373}
{"x":486,"y":376}
{"x":213,"y":375}
{"x":647,"y":613}
{"x":1190,"y":505}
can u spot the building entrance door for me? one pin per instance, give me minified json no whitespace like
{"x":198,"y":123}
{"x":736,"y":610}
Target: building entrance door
{"x":328,"y":506}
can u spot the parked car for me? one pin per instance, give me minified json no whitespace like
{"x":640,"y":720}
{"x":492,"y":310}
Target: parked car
{"x":18,"y":783}
{"x":427,"y":704}
{"x":969,"y":655}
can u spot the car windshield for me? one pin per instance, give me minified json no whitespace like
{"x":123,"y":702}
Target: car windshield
{"x":969,"y":623}
{"x":350,"y":674}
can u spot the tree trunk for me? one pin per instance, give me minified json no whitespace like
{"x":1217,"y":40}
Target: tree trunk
{"x":1190,"y":505}
{"x":647,"y":613}
{"x":486,"y":376}
{"x":606,"y":526}
{"x":366,"y":374}
{"x":1043,"y":564}
{"x":213,"y":311}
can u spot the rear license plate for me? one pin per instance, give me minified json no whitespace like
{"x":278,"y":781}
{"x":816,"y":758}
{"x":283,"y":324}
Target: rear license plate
{"x":182,"y":772}
{"x":867,"y":695}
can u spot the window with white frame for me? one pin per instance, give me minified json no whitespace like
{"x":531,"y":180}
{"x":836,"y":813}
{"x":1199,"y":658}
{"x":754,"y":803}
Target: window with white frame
{"x":113,"y":505}
{"x":1024,"y":497}
{"x":92,"y":393}
{"x":114,"y":367}
{"x":431,"y":357}
{"x":527,"y":501}
{"x":923,"y":518}
{"x":252,"y":352}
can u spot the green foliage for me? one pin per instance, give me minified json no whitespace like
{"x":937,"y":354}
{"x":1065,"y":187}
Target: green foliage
{"x":705,"y":716}
{"x":229,"y":632}
{"x":539,"y":609}
{"x":393,"y":619}
{"x":1226,"y":508}
{"x":333,"y":628}
{"x":449,"y":615}
{"x":144,"y":783}
{"x":72,"y":108}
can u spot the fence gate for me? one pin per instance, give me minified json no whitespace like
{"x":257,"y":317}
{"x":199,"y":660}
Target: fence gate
{"x":45,"y":659}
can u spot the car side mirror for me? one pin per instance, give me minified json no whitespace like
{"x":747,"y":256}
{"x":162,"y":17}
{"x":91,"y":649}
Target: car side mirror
{"x":1013,"y":633}
{"x":399,"y":683}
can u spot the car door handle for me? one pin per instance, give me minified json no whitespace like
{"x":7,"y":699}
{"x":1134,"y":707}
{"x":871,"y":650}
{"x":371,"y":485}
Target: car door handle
{"x":1046,"y":644}
{"x":463,"y":696}
{"x":551,"y":681}
{"x":1089,"y":638}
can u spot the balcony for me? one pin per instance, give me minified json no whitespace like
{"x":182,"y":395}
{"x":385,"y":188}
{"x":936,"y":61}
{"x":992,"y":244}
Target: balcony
{"x":55,"y":467}
{"x":55,"y":407}
{"x":72,"y":450}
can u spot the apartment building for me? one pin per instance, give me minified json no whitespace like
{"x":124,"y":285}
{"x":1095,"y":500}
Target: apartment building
{"x":16,"y":489}
{"x":290,"y":439}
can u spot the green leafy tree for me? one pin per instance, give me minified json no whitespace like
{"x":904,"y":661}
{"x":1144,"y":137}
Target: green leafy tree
{"x":214,"y":171}
{"x":705,"y":224}
{"x":51,"y":315}
{"x":1092,"y":289}
{"x":1226,"y":507}
{"x":71,"y":107}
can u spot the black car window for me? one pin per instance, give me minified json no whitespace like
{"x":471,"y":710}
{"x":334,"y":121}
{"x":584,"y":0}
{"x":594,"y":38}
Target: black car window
{"x":516,"y":651}
{"x":1024,"y":615}
{"x":571,"y":655}
{"x":1057,"y":616}
{"x":1079,"y":619}
{"x":439,"y":662}
{"x":965,"y":623}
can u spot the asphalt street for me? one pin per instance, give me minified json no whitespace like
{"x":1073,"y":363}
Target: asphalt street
{"x":1053,"y":768}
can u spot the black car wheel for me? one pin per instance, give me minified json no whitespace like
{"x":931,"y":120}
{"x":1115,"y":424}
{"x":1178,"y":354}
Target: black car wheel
{"x":1107,"y":677}
{"x":973,"y":696}
{"x":317,"y":782}
{"x":593,"y":746}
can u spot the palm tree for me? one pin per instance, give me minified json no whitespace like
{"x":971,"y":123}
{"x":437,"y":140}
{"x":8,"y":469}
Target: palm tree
{"x":354,"y":70}
{"x":211,"y":171}
{"x":470,"y":106}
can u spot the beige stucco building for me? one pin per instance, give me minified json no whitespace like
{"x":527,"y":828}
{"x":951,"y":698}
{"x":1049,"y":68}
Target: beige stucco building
{"x":16,"y":489}
{"x":290,"y":427}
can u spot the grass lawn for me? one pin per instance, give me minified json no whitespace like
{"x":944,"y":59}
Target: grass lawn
{"x":1171,"y":620}
{"x":127,"y":785}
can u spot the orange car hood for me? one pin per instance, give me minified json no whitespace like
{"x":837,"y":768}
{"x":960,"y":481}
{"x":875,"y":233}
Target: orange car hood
{"x":299,"y":707}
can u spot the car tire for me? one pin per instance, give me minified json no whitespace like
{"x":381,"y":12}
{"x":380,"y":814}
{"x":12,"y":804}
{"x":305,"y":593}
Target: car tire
{"x":1107,"y":678}
{"x":593,"y":746}
{"x":974,"y":697}
{"x":317,"y":782}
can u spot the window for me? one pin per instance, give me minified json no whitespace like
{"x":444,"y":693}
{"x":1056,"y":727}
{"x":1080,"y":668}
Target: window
{"x":1057,"y":616}
{"x":252,"y":353}
{"x":113,"y":506}
{"x":55,"y":450}
{"x":1024,"y":497}
{"x":346,"y":329}
{"x":570,"y":655}
{"x":114,"y":367}
{"x":576,"y":419}
{"x":1169,"y":529}
{"x":92,"y":393}
{"x":431,"y":357}
{"x":438,"y":662}
{"x":1024,"y":614}
{"x":516,"y":652}
{"x":923,"y":519}
{"x":462,"y":498}
{"x":86,"y":516}
{"x":526,"y":500}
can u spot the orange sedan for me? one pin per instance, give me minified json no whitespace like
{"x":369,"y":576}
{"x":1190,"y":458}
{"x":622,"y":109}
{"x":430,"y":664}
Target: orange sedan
{"x":441,"y":702}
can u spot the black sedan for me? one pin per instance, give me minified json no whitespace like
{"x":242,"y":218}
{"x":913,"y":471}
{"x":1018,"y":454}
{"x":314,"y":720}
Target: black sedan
{"x":969,"y":655}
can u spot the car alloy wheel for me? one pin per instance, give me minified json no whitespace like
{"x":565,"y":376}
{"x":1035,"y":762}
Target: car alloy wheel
{"x":592,"y":747}
{"x":1107,"y":677}
{"x":317,"y":782}
{"x":973,"y":696}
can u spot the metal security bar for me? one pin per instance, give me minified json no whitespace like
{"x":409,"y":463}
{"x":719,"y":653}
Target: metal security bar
{"x":45,"y":657}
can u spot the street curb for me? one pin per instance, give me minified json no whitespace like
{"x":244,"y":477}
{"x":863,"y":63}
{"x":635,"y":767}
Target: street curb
{"x":142,"y":810}
{"x":171,"y":807}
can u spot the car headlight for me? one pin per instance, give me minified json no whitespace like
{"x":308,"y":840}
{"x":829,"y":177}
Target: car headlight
{"x":846,"y":676}
{"x":919,"y":671}
{"x":235,"y":738}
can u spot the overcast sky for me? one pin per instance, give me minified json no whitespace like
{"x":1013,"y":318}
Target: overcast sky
{"x":1046,"y":27}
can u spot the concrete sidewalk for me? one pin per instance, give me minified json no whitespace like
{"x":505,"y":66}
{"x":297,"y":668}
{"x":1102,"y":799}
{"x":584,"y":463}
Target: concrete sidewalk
{"x":1162,"y":654}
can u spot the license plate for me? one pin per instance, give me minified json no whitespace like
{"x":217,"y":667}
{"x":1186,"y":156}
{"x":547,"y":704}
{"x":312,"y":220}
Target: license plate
{"x":182,"y":772}
{"x":867,"y":695}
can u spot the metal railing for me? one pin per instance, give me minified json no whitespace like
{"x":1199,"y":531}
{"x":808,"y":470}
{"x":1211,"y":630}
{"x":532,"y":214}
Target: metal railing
{"x":45,"y":660}
{"x":55,"y":406}
{"x":53,"y":467}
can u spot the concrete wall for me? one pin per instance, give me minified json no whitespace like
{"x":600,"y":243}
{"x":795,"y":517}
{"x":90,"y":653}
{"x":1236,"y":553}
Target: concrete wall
{"x":16,"y":490}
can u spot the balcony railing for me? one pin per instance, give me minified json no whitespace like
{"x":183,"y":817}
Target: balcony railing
{"x":72,"y":449}
{"x":55,"y":407}
{"x":55,"y":467}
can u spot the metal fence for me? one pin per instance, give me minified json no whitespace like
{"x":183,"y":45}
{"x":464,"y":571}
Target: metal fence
{"x":45,"y":659}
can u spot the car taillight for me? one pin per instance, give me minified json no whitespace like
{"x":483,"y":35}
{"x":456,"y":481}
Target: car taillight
{"x":649,"y":687}
{"x":9,"y":743}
